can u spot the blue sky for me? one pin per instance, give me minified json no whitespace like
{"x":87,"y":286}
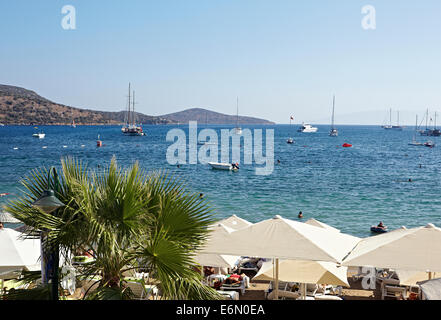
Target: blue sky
{"x":281,"y":57}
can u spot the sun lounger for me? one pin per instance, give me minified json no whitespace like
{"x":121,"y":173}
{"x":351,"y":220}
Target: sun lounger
{"x":229,"y":295}
{"x":326,"y":297}
{"x":240,"y":287}
{"x":142,"y":291}
{"x":388,"y":290}
{"x":283,"y":295}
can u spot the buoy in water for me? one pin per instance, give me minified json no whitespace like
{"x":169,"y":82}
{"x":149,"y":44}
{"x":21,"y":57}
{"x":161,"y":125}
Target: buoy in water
{"x":99,"y":143}
{"x":346,"y":145}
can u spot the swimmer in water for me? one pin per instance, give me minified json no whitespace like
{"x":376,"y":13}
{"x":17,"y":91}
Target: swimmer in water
{"x":300,"y":214}
{"x":201,"y":195}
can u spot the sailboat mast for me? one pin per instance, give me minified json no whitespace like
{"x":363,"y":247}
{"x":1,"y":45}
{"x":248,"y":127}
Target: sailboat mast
{"x":398,"y":118}
{"x":427,"y":117}
{"x":333,"y":106}
{"x":133,"y":109}
{"x":237,"y":117}
{"x":128,"y":112}
{"x":390,"y":116}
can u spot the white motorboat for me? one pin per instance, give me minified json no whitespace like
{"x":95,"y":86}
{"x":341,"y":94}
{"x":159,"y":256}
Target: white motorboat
{"x":223,"y":166}
{"x":307,"y":128}
{"x":39,"y":135}
{"x":206,"y":143}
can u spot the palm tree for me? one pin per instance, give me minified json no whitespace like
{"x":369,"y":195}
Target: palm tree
{"x":127,"y":219}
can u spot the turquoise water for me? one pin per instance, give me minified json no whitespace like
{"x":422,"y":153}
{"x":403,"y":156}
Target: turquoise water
{"x":348,"y":188}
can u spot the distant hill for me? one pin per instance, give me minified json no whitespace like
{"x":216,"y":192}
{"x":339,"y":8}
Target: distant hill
{"x":206,"y":116}
{"x":19,"y":106}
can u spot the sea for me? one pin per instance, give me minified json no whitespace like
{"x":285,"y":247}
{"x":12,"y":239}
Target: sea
{"x":347,"y":188}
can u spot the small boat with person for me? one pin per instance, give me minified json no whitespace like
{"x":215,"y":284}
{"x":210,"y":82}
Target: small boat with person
{"x":224,"y":166}
{"x":380,"y":228}
{"x":429,"y":144}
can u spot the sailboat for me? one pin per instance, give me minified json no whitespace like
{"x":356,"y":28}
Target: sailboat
{"x":72,"y":125}
{"x":430,"y":132}
{"x":201,"y":142}
{"x":387,"y":127}
{"x":130,"y":128}
{"x":290,"y":140}
{"x":238,"y":130}
{"x":414,"y":141}
{"x":334,"y":131}
{"x":398,"y":127}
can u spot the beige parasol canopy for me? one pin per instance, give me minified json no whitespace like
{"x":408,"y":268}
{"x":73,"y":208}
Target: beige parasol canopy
{"x":411,"y":278}
{"x":316,"y":223}
{"x":305,"y":272}
{"x":16,"y":253}
{"x":284,"y":239}
{"x":235,"y":223}
{"x":6,"y":217}
{"x":416,"y":249}
{"x":217,"y":260}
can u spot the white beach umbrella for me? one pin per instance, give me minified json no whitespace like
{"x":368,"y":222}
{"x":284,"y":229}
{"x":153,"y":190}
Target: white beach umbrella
{"x":235,"y":223}
{"x":6,"y":217}
{"x":410,"y":278}
{"x":282,"y":238}
{"x":17,"y":253}
{"x":416,"y":249}
{"x":316,"y":223}
{"x":319,"y":272}
{"x":431,"y":289}
{"x":217,"y":260}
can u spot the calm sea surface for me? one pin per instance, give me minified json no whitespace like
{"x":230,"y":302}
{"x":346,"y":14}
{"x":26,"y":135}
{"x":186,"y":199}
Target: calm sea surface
{"x":348,"y":188}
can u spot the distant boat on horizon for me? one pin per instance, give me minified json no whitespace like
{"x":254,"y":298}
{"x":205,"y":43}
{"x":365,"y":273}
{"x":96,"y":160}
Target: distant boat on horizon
{"x":390,"y":126}
{"x":334,"y":131}
{"x":130,"y":128}
{"x":414,"y":141}
{"x":237,"y":130}
{"x":430,"y":132}
{"x":307,"y":128}
{"x":290,"y":140}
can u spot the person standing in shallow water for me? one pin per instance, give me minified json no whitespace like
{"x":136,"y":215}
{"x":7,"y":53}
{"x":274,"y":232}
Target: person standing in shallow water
{"x":300,"y":215}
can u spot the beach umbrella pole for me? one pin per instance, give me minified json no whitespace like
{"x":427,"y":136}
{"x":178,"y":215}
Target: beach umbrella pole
{"x":276,"y":294}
